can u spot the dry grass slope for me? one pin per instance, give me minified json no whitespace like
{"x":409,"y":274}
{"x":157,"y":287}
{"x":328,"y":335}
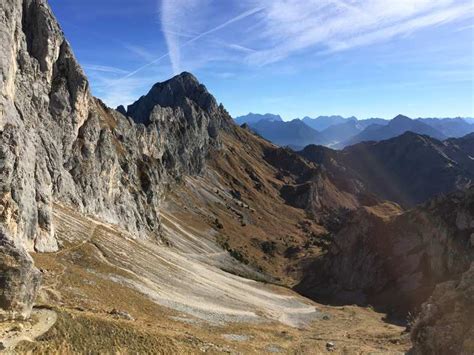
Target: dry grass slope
{"x":181,"y":301}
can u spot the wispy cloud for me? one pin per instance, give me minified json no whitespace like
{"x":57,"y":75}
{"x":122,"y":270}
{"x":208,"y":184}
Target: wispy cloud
{"x":180,"y":34}
{"x":141,"y":52}
{"x":239,"y":48}
{"x":173,"y":12}
{"x":118,"y":93}
{"x":225,"y":75}
{"x":172,"y":28}
{"x":404,"y":27}
{"x":104,"y":69}
{"x":282,"y":28}
{"x":464,"y":28}
{"x":115,"y":89}
{"x":291,"y":26}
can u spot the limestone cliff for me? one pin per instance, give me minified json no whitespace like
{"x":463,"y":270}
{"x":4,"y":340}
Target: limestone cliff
{"x":59,"y":144}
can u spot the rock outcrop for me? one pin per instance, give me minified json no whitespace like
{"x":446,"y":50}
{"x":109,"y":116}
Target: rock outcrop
{"x":445,"y":324}
{"x":58,"y":144}
{"x":394,"y":260}
{"x":19,"y":281}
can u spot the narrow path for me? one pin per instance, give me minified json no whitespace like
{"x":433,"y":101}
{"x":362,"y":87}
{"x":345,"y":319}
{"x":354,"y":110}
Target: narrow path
{"x":80,"y":244}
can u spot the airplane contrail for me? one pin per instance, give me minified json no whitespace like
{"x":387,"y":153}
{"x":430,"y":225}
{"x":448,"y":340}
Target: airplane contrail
{"x":194,"y":39}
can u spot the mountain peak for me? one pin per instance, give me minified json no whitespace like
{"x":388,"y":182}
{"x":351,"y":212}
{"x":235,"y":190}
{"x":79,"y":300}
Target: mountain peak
{"x":174,"y":92}
{"x":252,"y":118}
{"x":186,"y":74}
{"x":401,"y":118}
{"x":185,"y":77}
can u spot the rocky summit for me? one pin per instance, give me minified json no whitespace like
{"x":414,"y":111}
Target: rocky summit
{"x":163,"y":227}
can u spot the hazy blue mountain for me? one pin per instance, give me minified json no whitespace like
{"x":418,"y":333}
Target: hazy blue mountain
{"x":341,"y":132}
{"x":450,"y":127}
{"x":294,"y":133}
{"x":370,"y":121}
{"x":323,"y":122}
{"x":394,"y":128}
{"x":256,"y":117}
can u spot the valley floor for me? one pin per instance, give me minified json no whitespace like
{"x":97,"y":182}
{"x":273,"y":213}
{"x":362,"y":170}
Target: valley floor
{"x":111,"y":293}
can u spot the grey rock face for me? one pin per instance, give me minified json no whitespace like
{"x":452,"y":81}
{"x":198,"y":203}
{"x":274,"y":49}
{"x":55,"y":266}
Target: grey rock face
{"x":44,"y":99}
{"x":445,"y":324}
{"x":19,"y":281}
{"x":60,"y":145}
{"x":180,"y":91}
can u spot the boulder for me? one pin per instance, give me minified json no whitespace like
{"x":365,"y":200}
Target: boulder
{"x":19,"y":281}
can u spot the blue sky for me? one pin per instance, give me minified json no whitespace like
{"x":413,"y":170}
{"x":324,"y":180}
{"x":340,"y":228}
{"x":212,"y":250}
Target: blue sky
{"x":368,"y":58}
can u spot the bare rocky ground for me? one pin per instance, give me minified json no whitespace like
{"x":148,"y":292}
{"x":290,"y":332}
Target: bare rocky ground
{"x":113,"y":293}
{"x":12,"y":333}
{"x":195,"y":289}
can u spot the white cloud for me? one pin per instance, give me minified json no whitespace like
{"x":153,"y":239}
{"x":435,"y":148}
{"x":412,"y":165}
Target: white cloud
{"x":104,"y":69}
{"x":290,"y":26}
{"x":115,"y":92}
{"x":180,"y":34}
{"x":140,"y":52}
{"x":239,"y":48}
{"x":178,"y":16}
{"x":260,"y":32}
{"x":225,"y":75}
{"x":119,"y":90}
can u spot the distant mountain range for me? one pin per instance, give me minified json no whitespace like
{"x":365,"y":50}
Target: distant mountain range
{"x":294,"y":134}
{"x":322,"y":122}
{"x":253,"y":118}
{"x":407,"y":169}
{"x":395,"y":127}
{"x":339,"y":132}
